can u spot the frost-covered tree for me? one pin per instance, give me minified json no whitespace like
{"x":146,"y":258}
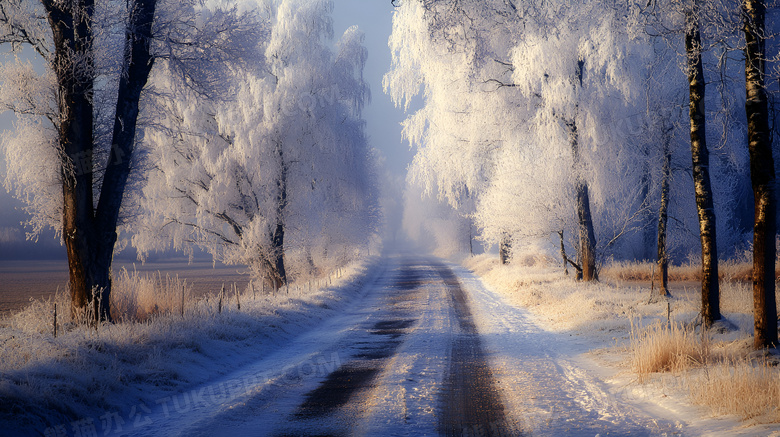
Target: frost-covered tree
{"x":582,"y":69}
{"x":519,"y":97}
{"x":280,"y":172}
{"x":74,"y":150}
{"x":439,"y":53}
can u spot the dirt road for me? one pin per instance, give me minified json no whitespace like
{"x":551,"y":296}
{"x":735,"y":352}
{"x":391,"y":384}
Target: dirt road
{"x":405,"y":359}
{"x":424,"y":350}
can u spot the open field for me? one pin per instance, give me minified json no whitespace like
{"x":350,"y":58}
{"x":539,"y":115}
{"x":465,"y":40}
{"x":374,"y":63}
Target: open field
{"x":21,"y":281}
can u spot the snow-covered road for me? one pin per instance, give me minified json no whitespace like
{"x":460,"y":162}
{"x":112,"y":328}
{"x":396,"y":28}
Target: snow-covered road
{"x":425,"y":350}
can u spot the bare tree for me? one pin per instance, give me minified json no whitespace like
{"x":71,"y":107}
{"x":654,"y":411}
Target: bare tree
{"x":710,"y":295}
{"x":762,"y":174}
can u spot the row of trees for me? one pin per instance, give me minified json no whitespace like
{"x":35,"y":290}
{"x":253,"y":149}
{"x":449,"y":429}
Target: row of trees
{"x":590,"y":120}
{"x":229,"y":127}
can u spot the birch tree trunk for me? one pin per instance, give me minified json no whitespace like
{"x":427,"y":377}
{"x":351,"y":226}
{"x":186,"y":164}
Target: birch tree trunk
{"x":663,"y":217}
{"x":710,"y":295}
{"x":762,"y":174}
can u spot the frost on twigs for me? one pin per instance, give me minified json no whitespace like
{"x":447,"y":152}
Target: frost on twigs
{"x":276,"y":175}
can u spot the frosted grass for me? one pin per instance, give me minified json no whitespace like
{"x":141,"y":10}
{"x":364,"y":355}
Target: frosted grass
{"x":154,"y":350}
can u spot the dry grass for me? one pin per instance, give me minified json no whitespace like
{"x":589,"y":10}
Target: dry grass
{"x":728,"y":270}
{"x":567,"y":305}
{"x":747,"y":389}
{"x":664,"y":347}
{"x":138,"y":297}
{"x":715,"y":367}
{"x":720,"y":376}
{"x":46,"y":380}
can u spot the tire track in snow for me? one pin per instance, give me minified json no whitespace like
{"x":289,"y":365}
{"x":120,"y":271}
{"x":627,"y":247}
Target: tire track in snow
{"x":406,"y":360}
{"x":471,"y":402}
{"x":549,"y":383}
{"x":337,"y":404}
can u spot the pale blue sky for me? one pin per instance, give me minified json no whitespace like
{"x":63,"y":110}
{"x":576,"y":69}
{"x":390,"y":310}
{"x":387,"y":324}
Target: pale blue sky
{"x":374,"y":17}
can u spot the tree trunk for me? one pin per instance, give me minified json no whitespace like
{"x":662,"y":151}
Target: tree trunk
{"x":710,"y":299}
{"x":278,"y":236}
{"x":587,"y":236}
{"x":663,"y":216}
{"x":72,"y":37}
{"x":138,"y":37}
{"x":505,"y":249}
{"x":471,"y":237}
{"x":89,"y":233}
{"x":762,"y":174}
{"x":587,"y":249}
{"x":563,"y":255}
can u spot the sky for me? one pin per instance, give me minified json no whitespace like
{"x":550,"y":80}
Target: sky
{"x":383,"y":120}
{"x":374,"y":17}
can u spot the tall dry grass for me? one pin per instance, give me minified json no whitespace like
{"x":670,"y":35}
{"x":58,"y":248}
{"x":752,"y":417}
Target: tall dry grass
{"x":47,"y":380}
{"x":719,"y":376}
{"x":750,"y":390}
{"x":665,"y":347}
{"x":138,"y":297}
{"x":715,"y":368}
{"x":728,"y":270}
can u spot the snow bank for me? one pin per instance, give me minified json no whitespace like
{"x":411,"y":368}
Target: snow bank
{"x":600,"y":318}
{"x":87,"y":379}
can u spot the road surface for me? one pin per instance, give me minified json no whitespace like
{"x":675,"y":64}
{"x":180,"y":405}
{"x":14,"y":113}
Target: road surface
{"x":425,"y":350}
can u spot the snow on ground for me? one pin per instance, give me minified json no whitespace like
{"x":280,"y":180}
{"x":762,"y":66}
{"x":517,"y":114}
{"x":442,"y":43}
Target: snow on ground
{"x":548,"y":382}
{"x":111,"y":380}
{"x":558,"y":357}
{"x":578,"y":336}
{"x":402,"y":400}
